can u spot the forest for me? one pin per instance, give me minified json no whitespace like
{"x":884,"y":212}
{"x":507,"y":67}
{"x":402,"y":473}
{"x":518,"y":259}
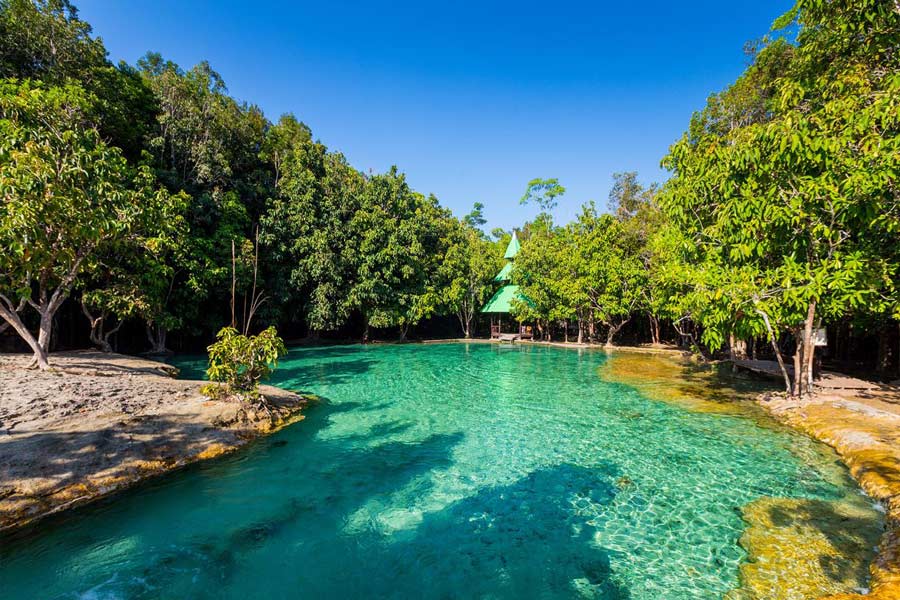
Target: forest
{"x":144,"y":208}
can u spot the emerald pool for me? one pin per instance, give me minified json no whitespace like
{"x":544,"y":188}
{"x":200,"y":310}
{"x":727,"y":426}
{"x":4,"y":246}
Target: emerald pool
{"x":440,"y":471}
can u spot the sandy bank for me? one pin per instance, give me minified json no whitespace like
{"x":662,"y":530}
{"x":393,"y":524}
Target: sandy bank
{"x":100,"y":422}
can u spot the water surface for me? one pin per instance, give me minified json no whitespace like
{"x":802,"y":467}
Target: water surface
{"x":440,"y":471}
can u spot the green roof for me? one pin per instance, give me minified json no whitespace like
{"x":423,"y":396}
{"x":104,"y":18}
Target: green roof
{"x":513,"y":247}
{"x":503,"y":275}
{"x":501,"y":302}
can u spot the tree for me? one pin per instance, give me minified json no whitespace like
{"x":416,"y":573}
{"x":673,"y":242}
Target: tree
{"x":540,"y":270}
{"x":614,"y":274}
{"x":65,"y":194}
{"x":306,"y":233}
{"x":397,"y":239}
{"x":467,"y":270}
{"x":209,"y":145}
{"x":544,"y":193}
{"x":628,"y":197}
{"x":475,"y":219}
{"x":45,"y":39}
{"x":794,"y":210}
{"x":132,"y":278}
{"x":282,"y":140}
{"x":241,"y":361}
{"x":117,"y":301}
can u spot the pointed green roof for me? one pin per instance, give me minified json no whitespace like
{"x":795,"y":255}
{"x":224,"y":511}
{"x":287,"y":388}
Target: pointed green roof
{"x":501,"y":302}
{"x":503,"y":275}
{"x":513,"y":248}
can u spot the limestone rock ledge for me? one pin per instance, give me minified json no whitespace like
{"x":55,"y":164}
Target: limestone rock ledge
{"x":800,"y":549}
{"x":99,"y":423}
{"x":865,"y":431}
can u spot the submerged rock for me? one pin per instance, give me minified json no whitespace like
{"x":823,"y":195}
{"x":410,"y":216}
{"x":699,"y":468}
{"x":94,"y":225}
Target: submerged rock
{"x":799,"y":548}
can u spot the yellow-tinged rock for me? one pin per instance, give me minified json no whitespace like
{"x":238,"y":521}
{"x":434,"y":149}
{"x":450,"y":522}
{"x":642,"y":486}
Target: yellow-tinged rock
{"x":801,"y":549}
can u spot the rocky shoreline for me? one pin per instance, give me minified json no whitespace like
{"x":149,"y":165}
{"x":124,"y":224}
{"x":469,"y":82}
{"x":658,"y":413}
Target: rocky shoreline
{"x":864,"y":429}
{"x":98,"y":423}
{"x":787,"y":560}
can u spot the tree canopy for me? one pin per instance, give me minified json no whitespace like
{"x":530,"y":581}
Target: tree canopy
{"x":152,"y":196}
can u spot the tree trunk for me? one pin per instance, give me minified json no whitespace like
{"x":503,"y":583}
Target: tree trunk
{"x":15,"y":321}
{"x":46,"y":328}
{"x":654,"y":329}
{"x":404,"y":329}
{"x":797,"y":388}
{"x":613,"y":330}
{"x":737,"y":348}
{"x":805,"y":375}
{"x":580,"y":331}
{"x":108,"y":335}
{"x":774,"y":341}
{"x":566,"y":332}
{"x":98,"y":337}
{"x":156,"y":335}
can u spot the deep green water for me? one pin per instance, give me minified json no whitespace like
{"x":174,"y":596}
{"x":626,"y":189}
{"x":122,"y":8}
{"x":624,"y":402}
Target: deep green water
{"x":439,"y":471}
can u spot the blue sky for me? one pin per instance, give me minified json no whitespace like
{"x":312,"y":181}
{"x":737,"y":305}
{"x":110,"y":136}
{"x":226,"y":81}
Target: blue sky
{"x":470,"y":99}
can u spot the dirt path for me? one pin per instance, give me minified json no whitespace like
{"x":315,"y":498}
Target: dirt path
{"x":100,"y":422}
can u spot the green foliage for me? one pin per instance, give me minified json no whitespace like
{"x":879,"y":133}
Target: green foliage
{"x":306,"y":230}
{"x":46,"y":40}
{"x":466,"y":273}
{"x":544,"y":193}
{"x":475,"y":219}
{"x":628,"y":198}
{"x":66,"y":194}
{"x":793,"y":208}
{"x":133,"y":184}
{"x":401,"y":236}
{"x":240,"y":362}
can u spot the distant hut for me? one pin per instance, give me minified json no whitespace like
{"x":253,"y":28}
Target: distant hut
{"x":501,"y":302}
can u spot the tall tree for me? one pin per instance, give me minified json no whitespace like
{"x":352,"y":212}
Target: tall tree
{"x":544,"y":193}
{"x":466,"y":272}
{"x":475,"y":219}
{"x":65,"y":193}
{"x":45,"y":39}
{"x":794,"y":206}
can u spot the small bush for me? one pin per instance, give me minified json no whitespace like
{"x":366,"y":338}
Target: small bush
{"x":240,"y":362}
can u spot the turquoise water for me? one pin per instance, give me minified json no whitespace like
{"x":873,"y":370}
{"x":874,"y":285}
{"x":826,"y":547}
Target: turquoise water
{"x":439,"y":471}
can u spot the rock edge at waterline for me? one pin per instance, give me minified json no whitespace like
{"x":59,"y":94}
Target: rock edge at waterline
{"x":97,"y":423}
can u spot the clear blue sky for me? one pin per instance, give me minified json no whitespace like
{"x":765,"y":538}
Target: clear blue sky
{"x":470,"y":99}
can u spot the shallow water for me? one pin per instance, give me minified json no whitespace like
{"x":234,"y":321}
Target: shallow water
{"x":448,"y":471}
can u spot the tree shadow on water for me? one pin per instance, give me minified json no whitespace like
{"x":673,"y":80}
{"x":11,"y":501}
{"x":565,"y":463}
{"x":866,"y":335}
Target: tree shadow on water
{"x":332,"y":517}
{"x":531,"y":538}
{"x":359,"y":531}
{"x":302,"y":376}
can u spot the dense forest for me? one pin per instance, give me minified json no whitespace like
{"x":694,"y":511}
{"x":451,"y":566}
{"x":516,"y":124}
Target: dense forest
{"x":142,"y":202}
{"x":148,"y":195}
